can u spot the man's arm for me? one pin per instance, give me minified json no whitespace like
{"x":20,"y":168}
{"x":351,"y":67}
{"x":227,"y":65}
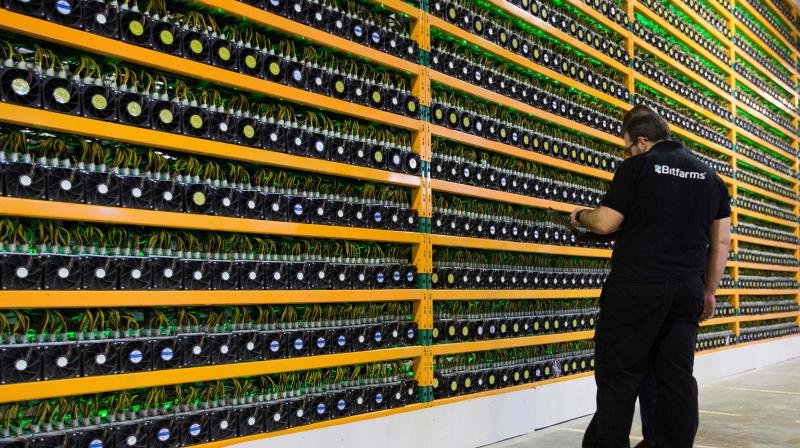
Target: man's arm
{"x":718,"y":249}
{"x":602,"y":220}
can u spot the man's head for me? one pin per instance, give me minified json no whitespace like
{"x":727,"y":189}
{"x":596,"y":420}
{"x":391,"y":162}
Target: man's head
{"x":642,"y":128}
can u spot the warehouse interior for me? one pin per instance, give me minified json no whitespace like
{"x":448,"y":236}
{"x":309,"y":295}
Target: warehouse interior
{"x":282,"y":223}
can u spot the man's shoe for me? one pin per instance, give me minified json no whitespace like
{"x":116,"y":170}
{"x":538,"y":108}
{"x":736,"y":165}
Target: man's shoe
{"x":645,"y":444}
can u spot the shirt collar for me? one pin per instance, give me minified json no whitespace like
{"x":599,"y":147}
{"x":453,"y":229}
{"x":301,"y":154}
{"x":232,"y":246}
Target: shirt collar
{"x":667,"y":145}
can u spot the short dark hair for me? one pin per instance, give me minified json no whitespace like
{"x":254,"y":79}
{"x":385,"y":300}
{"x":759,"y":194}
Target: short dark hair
{"x":641,"y":121}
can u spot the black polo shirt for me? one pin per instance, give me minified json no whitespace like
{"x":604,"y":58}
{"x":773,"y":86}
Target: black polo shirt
{"x":670,"y":199}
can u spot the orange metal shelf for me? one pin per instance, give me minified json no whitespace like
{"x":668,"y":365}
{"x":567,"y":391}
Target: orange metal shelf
{"x":488,"y":393}
{"x":597,"y":16}
{"x":94,"y":213}
{"x":763,"y":241}
{"x":501,"y":100}
{"x":763,"y":267}
{"x":479,"y":243}
{"x":523,"y":62}
{"x":721,"y":9}
{"x":556,"y":33}
{"x":768,"y":97}
{"x":487,"y":294}
{"x":83,"y":298}
{"x":752,"y":137}
{"x":764,"y":71}
{"x":694,"y":137}
{"x":313,"y":426}
{"x":502,"y":148}
{"x":684,"y":8}
{"x":770,"y":316}
{"x":760,"y":42}
{"x":720,"y":321}
{"x":401,"y":7}
{"x":694,"y":46}
{"x":675,"y":96}
{"x":765,"y":168}
{"x":264,"y":18}
{"x":680,"y":67}
{"x":767,"y":120}
{"x":726,"y":292}
{"x":766,"y":292}
{"x":763,"y":192}
{"x":763,"y":217}
{"x":92,"y":43}
{"x":70,"y":124}
{"x":89,"y":385}
{"x":495,"y":344}
{"x":494,"y":195}
{"x":779,"y":13}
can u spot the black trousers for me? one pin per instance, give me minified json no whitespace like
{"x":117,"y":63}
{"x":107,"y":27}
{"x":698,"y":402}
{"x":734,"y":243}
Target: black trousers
{"x":645,"y":326}
{"x":648,"y":392}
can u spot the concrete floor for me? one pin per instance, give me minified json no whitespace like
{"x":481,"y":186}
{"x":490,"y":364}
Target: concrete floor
{"x":756,"y":409}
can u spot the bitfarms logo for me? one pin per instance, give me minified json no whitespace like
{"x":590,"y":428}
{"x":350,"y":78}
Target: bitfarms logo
{"x":677,"y":172}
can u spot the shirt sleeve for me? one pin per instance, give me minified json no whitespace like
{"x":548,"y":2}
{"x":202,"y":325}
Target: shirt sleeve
{"x":621,"y":192}
{"x":724,"y":210}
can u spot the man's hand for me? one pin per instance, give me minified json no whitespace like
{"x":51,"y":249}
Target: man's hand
{"x":573,"y":217}
{"x":708,"y":308}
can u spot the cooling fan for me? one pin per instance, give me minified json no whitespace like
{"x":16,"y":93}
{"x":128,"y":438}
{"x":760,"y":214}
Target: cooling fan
{"x":22,"y":271}
{"x":248,"y":132}
{"x":252,"y":204}
{"x":340,"y":150}
{"x":195,"y":121}
{"x":224,"y":128}
{"x":163,"y":432}
{"x":167,"y":196}
{"x":193,"y":427}
{"x":167,"y":116}
{"x":135,"y":273}
{"x":198,"y":274}
{"x":101,"y":18}
{"x":222,"y":423}
{"x":249,"y":345}
{"x":133,"y":109}
{"x":199,"y":197}
{"x":20,"y":86}
{"x":102,"y":188}
{"x":20,"y":363}
{"x":65,"y":184}
{"x":195,"y":46}
{"x":25,"y":180}
{"x":65,"y":12}
{"x":167,"y":37}
{"x":250,"y":61}
{"x":63,"y":272}
{"x":135,"y":28}
{"x":99,"y":358}
{"x":100,"y":273}
{"x":60,"y":360}
{"x":224,"y":54}
{"x":273,"y":137}
{"x":225,"y":275}
{"x":99,"y":102}
{"x":228,"y":202}
{"x":250,"y":419}
{"x":223,"y":347}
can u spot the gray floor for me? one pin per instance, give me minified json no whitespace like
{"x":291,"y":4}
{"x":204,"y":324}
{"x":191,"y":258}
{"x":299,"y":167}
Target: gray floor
{"x":757,"y":409}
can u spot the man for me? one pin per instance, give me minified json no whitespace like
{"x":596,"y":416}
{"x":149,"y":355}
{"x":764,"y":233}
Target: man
{"x":672,"y":215}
